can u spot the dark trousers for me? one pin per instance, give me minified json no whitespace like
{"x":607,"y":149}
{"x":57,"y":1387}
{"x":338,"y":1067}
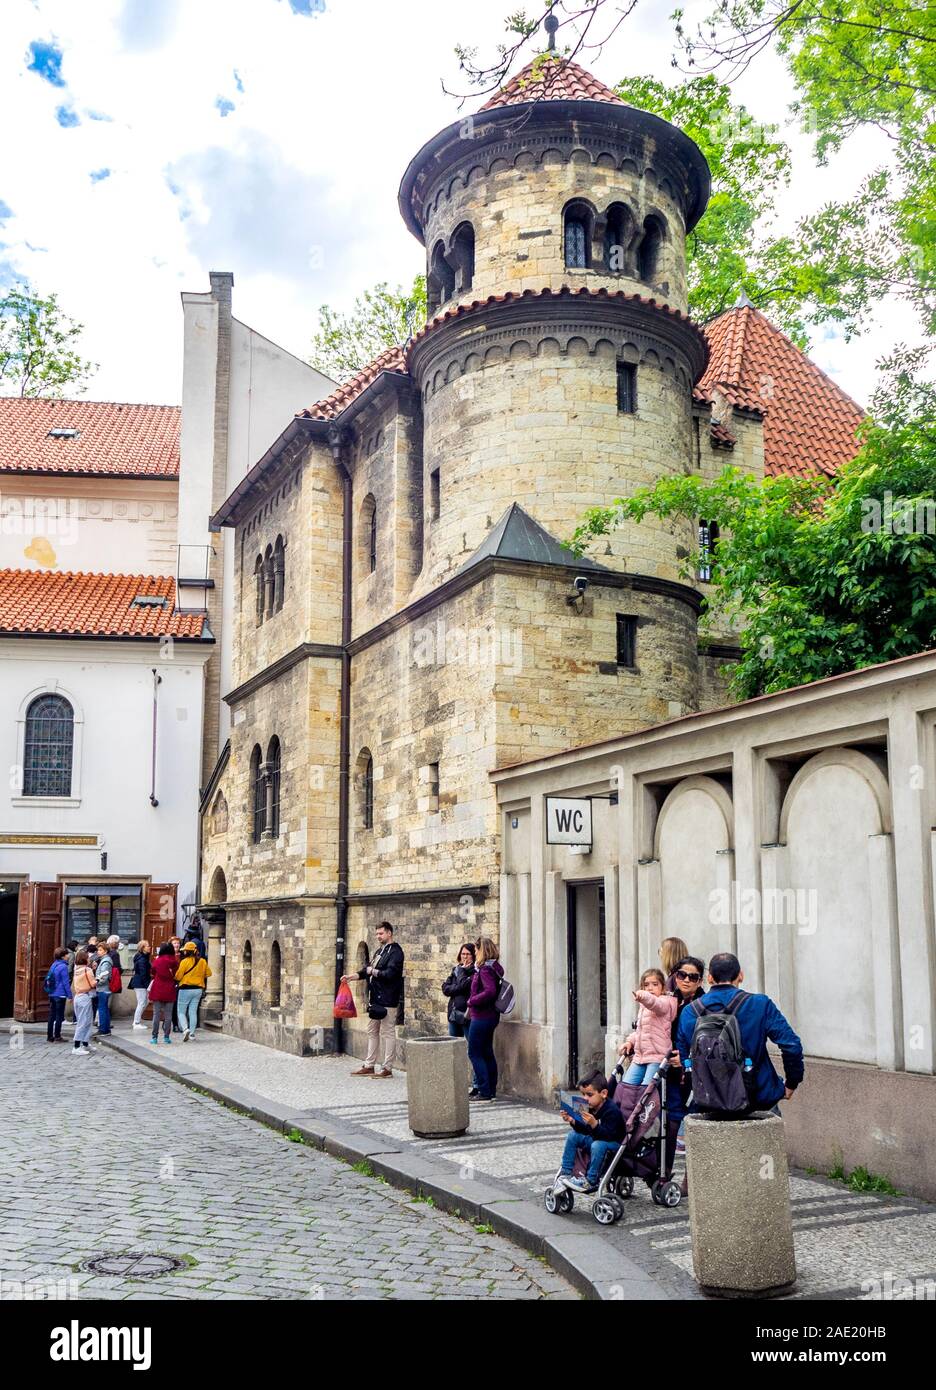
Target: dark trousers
{"x":103,"y":1011}
{"x":460,"y":1030}
{"x":56,"y":1015}
{"x":481,"y":1054}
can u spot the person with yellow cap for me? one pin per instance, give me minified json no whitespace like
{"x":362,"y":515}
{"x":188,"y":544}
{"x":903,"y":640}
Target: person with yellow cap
{"x":191,"y":978}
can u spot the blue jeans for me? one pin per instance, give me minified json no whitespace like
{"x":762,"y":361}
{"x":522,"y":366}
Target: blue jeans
{"x":83,"y":1019}
{"x":56,"y":1015}
{"x":599,"y":1150}
{"x":640,"y":1073}
{"x":103,"y":1011}
{"x":481,"y":1055}
{"x":188,"y":1008}
{"x":460,"y":1030}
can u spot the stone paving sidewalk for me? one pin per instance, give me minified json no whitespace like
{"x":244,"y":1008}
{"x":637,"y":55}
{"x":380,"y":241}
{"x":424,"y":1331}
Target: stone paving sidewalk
{"x":99,"y":1156}
{"x":844,"y":1240}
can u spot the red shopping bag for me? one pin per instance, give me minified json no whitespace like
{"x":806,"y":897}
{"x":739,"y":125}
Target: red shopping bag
{"x":344,"y":1003}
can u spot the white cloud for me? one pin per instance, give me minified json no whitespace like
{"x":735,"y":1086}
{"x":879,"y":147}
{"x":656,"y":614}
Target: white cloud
{"x":295,"y":189}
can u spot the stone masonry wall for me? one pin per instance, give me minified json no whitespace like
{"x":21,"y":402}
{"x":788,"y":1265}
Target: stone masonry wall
{"x":515,"y":205}
{"x":544,"y":430}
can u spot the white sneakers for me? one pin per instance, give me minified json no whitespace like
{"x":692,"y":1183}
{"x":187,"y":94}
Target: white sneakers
{"x":141,"y":1025}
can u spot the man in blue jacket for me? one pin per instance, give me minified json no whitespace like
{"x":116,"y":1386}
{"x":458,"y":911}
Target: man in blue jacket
{"x":759,"y":1020}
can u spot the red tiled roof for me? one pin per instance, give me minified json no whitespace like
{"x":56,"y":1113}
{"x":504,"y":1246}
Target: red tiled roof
{"x":62,"y":604}
{"x":563,"y":291}
{"x":722,"y":438}
{"x":809,"y":422}
{"x":390,"y":360}
{"x":394,"y":359}
{"x":116,"y":440}
{"x":551,"y":78}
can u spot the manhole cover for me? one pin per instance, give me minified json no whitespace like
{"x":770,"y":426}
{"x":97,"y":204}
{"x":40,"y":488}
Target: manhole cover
{"x":133,"y":1264}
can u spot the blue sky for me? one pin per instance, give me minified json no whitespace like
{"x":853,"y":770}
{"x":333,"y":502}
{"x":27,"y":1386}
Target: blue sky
{"x":266,"y":137}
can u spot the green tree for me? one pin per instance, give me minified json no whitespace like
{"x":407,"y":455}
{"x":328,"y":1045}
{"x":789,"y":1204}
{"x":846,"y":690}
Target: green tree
{"x":381,"y":318}
{"x":814,"y":275}
{"x":819,"y":576}
{"x":856,"y":65}
{"x":38,"y":346}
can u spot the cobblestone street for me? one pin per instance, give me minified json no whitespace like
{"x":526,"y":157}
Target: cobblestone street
{"x":844,"y":1239}
{"x":101,"y":1156}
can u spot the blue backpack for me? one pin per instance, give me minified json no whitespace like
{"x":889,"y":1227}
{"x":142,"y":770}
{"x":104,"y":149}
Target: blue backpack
{"x":49,"y":980}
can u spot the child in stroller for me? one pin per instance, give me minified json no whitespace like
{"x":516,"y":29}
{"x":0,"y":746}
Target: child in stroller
{"x":645,"y":1151}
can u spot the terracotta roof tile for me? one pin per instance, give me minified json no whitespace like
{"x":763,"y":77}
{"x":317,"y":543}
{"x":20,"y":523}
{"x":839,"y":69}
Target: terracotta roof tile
{"x":722,"y":438}
{"x":59,"y":603}
{"x":564,"y":291}
{"x":390,"y":360}
{"x":551,"y":79}
{"x":809,"y":422}
{"x":118,"y":440}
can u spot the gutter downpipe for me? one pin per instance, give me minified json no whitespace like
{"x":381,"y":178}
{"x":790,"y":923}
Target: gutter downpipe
{"x":337,"y":440}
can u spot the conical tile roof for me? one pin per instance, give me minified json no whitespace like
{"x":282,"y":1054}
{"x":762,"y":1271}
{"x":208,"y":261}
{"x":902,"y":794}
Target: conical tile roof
{"x":550,"y":77}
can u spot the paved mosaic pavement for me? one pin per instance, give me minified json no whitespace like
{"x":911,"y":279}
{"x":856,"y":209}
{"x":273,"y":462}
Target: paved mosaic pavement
{"x":100,"y":1155}
{"x":843,"y":1239}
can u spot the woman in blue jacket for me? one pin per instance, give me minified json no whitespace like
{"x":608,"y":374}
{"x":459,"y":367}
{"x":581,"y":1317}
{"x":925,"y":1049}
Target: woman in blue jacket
{"x":59,"y":990}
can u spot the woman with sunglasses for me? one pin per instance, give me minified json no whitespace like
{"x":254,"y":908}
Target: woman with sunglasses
{"x":689,"y":983}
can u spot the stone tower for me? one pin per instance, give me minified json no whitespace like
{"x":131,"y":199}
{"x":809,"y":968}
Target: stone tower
{"x":432,"y":626}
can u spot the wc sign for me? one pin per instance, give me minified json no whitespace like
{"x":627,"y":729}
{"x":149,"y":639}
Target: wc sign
{"x":568,"y":820}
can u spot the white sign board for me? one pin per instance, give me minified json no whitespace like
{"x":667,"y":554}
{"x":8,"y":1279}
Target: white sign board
{"x":568,"y":820}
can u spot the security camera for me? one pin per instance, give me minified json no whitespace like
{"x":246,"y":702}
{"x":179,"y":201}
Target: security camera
{"x":579,"y":585}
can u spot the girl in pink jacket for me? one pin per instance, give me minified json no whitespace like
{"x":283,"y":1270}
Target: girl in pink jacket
{"x":651,"y":1041}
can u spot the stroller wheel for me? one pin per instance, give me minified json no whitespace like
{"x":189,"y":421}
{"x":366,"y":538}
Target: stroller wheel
{"x":618,"y":1208}
{"x":625,"y":1188}
{"x":604,"y":1211}
{"x":666,"y":1194}
{"x":551,"y":1200}
{"x":566,"y":1202}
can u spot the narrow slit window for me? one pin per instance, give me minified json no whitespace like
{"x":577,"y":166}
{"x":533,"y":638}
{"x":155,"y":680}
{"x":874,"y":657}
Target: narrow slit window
{"x":626,"y":640}
{"x":435,"y":494}
{"x":626,"y":388}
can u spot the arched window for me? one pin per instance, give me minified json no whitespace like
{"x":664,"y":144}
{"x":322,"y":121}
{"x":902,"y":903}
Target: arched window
{"x":279,"y":573}
{"x":260,"y":581}
{"x":272,"y":818}
{"x":269,"y":575}
{"x":463,"y":256}
{"x":219,"y":815}
{"x":47,"y":757}
{"x":440,"y":281}
{"x":648,"y":254}
{"x":368,"y":534}
{"x":248,"y":973}
{"x":708,"y":541}
{"x":365,"y":765}
{"x":619,"y":238}
{"x":276,"y":976}
{"x":257,"y":797}
{"x":577,"y":221}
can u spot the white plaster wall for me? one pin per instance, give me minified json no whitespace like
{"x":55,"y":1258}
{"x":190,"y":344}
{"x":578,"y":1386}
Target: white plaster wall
{"x":691,"y":834}
{"x":111,"y":688}
{"x":833,"y":970}
{"x":98,"y":525}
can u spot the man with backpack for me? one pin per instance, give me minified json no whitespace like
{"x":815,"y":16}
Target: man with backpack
{"x":724,"y":1037}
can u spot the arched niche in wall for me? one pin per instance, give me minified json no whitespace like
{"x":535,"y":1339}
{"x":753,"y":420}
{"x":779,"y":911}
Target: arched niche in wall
{"x":694,"y":827}
{"x":835,"y":823}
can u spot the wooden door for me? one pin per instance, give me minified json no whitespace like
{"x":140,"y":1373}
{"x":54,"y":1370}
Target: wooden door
{"x":159,"y":912}
{"x":39,"y":932}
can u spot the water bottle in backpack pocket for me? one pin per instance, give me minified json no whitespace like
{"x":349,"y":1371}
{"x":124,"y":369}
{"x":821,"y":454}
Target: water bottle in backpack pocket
{"x":722,"y":1077}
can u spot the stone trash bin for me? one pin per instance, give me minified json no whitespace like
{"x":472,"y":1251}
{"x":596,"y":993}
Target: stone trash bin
{"x":739,"y":1206}
{"x":437,"y":1081}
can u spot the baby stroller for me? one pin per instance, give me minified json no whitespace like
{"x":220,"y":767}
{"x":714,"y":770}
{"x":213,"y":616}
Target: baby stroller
{"x":643,"y":1153}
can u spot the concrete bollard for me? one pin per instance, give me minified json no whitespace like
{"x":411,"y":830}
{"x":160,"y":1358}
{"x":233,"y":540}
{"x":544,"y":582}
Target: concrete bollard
{"x":437,"y":1081}
{"x":739,"y":1206}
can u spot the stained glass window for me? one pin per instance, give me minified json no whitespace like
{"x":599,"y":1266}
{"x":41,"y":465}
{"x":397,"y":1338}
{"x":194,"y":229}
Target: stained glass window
{"x":47,"y":761}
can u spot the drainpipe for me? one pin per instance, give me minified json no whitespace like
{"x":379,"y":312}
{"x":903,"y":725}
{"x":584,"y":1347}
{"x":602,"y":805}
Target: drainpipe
{"x":337,"y":439}
{"x":157,"y":682}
